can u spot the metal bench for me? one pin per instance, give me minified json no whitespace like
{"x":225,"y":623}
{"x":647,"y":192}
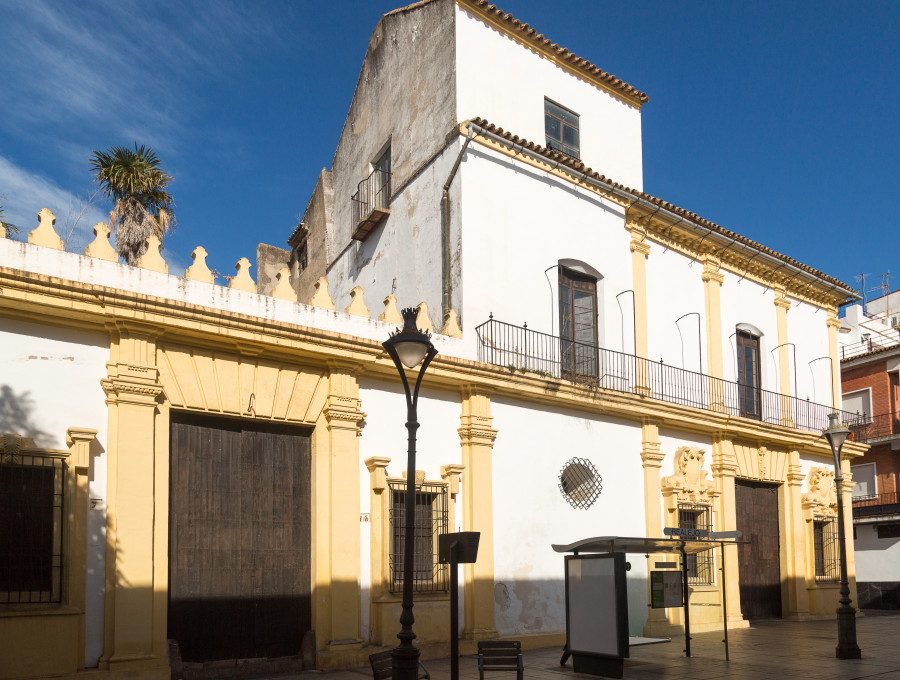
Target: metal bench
{"x":382,"y":667}
{"x":500,"y":655}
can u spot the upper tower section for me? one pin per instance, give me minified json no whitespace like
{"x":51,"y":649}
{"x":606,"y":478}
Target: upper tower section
{"x":511,"y":75}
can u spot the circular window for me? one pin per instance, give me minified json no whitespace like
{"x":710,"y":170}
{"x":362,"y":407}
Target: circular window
{"x":580,"y":483}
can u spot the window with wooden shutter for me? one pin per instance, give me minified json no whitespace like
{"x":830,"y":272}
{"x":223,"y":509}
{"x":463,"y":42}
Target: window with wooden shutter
{"x":577,"y":324}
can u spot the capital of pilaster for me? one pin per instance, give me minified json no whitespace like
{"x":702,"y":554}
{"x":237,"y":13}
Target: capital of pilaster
{"x":344,"y":413}
{"x":451,"y":474}
{"x":377,"y":467}
{"x":79,"y":439}
{"x":640,"y":247}
{"x":712,"y":275}
{"x":477,"y":430}
{"x":781,"y":300}
{"x":122,"y":390}
{"x":651,"y":456}
{"x":833,"y":321}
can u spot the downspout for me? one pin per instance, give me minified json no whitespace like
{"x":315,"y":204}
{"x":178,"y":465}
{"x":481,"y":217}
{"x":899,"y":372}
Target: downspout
{"x":447,"y":283}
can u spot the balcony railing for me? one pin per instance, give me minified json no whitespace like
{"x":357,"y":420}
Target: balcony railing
{"x":519,"y":349}
{"x":870,"y":344}
{"x":876,"y":506}
{"x":882,"y":426}
{"x":371,"y":203}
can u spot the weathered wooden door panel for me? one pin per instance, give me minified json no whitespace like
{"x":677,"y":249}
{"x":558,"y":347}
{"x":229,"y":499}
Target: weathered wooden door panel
{"x":760,"y":574}
{"x":239,"y":552}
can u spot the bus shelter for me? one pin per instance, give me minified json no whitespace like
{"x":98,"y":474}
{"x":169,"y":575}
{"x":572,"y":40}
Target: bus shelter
{"x":596,"y":598}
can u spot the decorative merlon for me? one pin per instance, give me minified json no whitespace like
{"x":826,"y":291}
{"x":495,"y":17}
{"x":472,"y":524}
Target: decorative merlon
{"x":151,"y":259}
{"x":451,"y":325}
{"x":283,"y":289}
{"x":242,"y":280}
{"x":420,"y":477}
{"x":357,"y":306}
{"x":44,"y":234}
{"x":689,"y":484}
{"x":423,"y":321}
{"x":321,"y":298}
{"x":199,"y":271}
{"x":391,"y":314}
{"x":100,"y":246}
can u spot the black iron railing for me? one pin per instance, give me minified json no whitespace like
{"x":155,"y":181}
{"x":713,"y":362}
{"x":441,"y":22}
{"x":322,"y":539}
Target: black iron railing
{"x":520,"y":349}
{"x":876,"y":506}
{"x":880,"y":426}
{"x":373,"y":193}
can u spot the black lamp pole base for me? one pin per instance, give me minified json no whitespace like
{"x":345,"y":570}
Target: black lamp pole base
{"x":405,"y":662}
{"x":847,"y":647}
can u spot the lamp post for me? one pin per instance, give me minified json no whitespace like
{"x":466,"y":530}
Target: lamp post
{"x":846,"y":615}
{"x":408,"y":347}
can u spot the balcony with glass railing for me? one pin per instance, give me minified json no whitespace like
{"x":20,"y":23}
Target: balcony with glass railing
{"x":521,"y":349}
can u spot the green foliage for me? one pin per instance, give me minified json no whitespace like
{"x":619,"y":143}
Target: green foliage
{"x":12,"y":228}
{"x":137,"y":185}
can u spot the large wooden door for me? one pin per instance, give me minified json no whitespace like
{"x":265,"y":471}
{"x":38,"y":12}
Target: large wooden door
{"x":239,"y":538}
{"x":760,"y":575}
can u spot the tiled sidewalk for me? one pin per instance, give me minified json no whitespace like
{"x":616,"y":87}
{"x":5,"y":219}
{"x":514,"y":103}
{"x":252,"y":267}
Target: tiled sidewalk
{"x":767,"y":650}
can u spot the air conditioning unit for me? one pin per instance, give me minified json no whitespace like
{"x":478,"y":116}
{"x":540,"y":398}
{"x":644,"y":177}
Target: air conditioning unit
{"x":895,"y":321}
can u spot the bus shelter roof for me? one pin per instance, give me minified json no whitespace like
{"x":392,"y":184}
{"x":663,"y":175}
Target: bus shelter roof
{"x":629,"y":544}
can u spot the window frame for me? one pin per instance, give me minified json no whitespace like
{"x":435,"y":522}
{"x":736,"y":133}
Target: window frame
{"x":701,"y":566}
{"x":826,"y":560}
{"x":428,"y":575}
{"x":560,"y":144}
{"x":577,"y":358}
{"x":749,"y":393}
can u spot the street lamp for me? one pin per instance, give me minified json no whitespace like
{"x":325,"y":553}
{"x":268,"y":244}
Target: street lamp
{"x":846,"y":615}
{"x":408,"y":347}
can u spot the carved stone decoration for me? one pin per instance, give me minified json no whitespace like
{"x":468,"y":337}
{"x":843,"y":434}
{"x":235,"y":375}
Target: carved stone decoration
{"x":762,"y":456}
{"x":321,"y":298}
{"x":283,"y":289}
{"x":820,"y":497}
{"x":423,"y":321}
{"x":199,"y":271}
{"x":151,"y":259}
{"x":689,"y":484}
{"x":451,"y":325}
{"x":357,"y":306}
{"x":242,"y":280}
{"x":391,"y":314}
{"x":100,"y":246}
{"x":44,"y":234}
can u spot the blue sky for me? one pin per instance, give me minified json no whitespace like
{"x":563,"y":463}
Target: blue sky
{"x":776,"y":120}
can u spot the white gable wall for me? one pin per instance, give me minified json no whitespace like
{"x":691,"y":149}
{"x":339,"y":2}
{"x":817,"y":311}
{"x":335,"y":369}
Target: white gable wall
{"x":501,"y":80}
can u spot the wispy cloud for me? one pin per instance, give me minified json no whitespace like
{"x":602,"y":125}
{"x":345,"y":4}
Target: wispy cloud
{"x":25,"y":194}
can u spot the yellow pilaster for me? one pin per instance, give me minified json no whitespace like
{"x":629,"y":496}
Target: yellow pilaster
{"x":834,"y":324}
{"x":712,"y":284}
{"x":651,"y":459}
{"x":477,"y":440}
{"x":132,"y":394}
{"x":724,"y":466}
{"x":344,"y":417}
{"x":79,"y":440}
{"x":782,"y":305}
{"x":797,"y":599}
{"x":640,"y":250}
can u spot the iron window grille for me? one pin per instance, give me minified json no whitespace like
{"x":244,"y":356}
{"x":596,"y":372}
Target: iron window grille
{"x":561,"y":128}
{"x":432,"y":519}
{"x":700,"y":567}
{"x":825,"y":544}
{"x":31,"y":528}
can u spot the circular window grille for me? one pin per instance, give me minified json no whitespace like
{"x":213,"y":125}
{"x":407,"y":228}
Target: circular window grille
{"x":580,"y":483}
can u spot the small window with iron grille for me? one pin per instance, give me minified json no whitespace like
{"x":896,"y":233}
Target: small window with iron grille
{"x":825,"y":543}
{"x":561,"y":128}
{"x":31,"y":528}
{"x":432,"y":519}
{"x":700,"y":566}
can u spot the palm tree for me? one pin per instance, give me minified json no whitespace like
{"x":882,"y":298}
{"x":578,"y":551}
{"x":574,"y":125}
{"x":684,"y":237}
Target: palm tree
{"x":133,"y":179}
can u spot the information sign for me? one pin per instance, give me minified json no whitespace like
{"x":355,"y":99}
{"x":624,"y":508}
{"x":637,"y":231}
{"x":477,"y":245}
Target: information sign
{"x":665,"y":589}
{"x":686,"y":533}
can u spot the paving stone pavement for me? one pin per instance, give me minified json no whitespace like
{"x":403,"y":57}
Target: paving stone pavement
{"x":768,"y":650}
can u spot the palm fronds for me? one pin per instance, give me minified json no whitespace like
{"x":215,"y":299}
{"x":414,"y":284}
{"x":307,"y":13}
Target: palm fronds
{"x":143,"y":206}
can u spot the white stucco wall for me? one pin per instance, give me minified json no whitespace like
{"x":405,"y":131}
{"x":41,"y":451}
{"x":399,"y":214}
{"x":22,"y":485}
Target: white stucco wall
{"x":504,"y":82}
{"x":49,"y":382}
{"x":809,"y":335}
{"x":877,"y":559}
{"x":517,"y":224}
{"x":675,"y":289}
{"x":530,"y":514}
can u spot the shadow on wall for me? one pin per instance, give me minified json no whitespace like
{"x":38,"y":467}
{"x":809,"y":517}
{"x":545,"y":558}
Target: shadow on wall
{"x":15,"y":416}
